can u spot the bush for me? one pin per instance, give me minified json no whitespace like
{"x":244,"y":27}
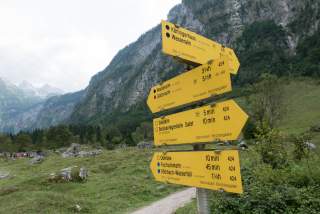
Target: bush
{"x":249,"y":130}
{"x":301,"y":149}
{"x":271,"y":147}
{"x":266,"y":190}
{"x":269,"y":198}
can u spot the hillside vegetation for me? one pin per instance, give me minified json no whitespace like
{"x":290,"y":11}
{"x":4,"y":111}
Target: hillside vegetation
{"x":292,"y":188}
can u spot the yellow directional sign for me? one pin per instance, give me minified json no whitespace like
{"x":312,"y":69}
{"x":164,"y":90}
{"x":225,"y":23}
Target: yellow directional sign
{"x":233,"y":61}
{"x":185,"y":44}
{"x":189,"y":46}
{"x":204,"y":169}
{"x":200,"y":83}
{"x":220,"y":122}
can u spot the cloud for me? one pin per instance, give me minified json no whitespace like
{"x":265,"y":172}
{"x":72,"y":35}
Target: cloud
{"x":64,"y":43}
{"x":66,"y":62}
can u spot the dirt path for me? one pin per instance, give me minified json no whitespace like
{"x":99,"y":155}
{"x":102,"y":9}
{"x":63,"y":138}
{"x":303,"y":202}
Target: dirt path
{"x":169,"y":204}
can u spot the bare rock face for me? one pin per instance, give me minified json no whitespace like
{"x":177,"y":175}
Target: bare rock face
{"x":183,"y":16}
{"x":126,"y":81}
{"x":49,"y":112}
{"x":136,"y":68}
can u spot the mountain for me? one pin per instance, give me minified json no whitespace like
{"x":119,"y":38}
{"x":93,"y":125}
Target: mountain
{"x":275,"y":36}
{"x":25,"y":107}
{"x":13,"y":99}
{"x":268,"y":36}
{"x":43,"y":92}
{"x":57,"y":109}
{"x":49,"y":112}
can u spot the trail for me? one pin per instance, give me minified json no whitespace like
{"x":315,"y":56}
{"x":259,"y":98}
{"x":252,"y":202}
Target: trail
{"x":169,"y":204}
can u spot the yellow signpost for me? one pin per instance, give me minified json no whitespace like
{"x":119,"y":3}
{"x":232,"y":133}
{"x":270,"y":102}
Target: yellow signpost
{"x":200,"y":83}
{"x":185,"y":44}
{"x":205,"y":169}
{"x":220,"y":122}
{"x":233,"y":61}
{"x":223,"y":121}
{"x":189,"y":46}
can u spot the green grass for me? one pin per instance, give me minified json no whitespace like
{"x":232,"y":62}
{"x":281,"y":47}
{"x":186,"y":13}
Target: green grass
{"x":119,"y":181}
{"x":303,"y":106}
{"x":190,"y":208}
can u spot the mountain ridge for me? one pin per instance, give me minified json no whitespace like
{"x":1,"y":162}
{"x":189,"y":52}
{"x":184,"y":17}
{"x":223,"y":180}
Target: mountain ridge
{"x":44,"y":91}
{"x":278,"y":37}
{"x":227,"y":22}
{"x":25,"y":107}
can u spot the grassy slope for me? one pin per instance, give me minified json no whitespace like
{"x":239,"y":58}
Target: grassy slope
{"x":303,"y":111}
{"x":303,"y":100}
{"x":119,"y":181}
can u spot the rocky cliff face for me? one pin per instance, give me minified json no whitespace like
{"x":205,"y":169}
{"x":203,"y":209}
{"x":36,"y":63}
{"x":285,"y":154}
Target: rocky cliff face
{"x":136,"y":68}
{"x":265,"y":34}
{"x":25,"y":107}
{"x":225,"y":20}
{"x":50,"y":112}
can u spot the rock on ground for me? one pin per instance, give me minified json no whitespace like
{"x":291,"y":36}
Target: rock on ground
{"x":4,"y":175}
{"x":37,"y":159}
{"x":74,"y":173}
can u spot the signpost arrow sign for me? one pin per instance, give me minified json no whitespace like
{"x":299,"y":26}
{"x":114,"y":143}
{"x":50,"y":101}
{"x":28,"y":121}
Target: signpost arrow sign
{"x":200,"y":83}
{"x":233,"y":61}
{"x":192,"y":47}
{"x":220,"y":122}
{"x":205,"y":169}
{"x":185,"y":44}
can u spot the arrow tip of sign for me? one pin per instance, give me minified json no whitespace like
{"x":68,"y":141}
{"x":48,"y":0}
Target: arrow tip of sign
{"x":233,"y":61}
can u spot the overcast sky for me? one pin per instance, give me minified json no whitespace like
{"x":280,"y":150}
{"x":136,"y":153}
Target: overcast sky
{"x":65,"y":42}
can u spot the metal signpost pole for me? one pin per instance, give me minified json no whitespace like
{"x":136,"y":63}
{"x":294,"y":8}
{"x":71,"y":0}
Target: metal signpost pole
{"x":202,"y":194}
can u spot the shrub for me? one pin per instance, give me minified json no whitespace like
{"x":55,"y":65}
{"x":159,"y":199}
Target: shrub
{"x":301,"y":149}
{"x":271,"y":147}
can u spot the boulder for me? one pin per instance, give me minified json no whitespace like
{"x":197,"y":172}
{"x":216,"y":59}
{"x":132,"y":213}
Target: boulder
{"x":37,"y":159}
{"x":77,"y":208}
{"x":74,"y":148}
{"x":92,"y":153}
{"x":145,"y":145}
{"x":72,"y":151}
{"x":83,"y":173}
{"x":70,"y":174}
{"x":242,"y":145}
{"x":311,"y":146}
{"x":4,"y":175}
